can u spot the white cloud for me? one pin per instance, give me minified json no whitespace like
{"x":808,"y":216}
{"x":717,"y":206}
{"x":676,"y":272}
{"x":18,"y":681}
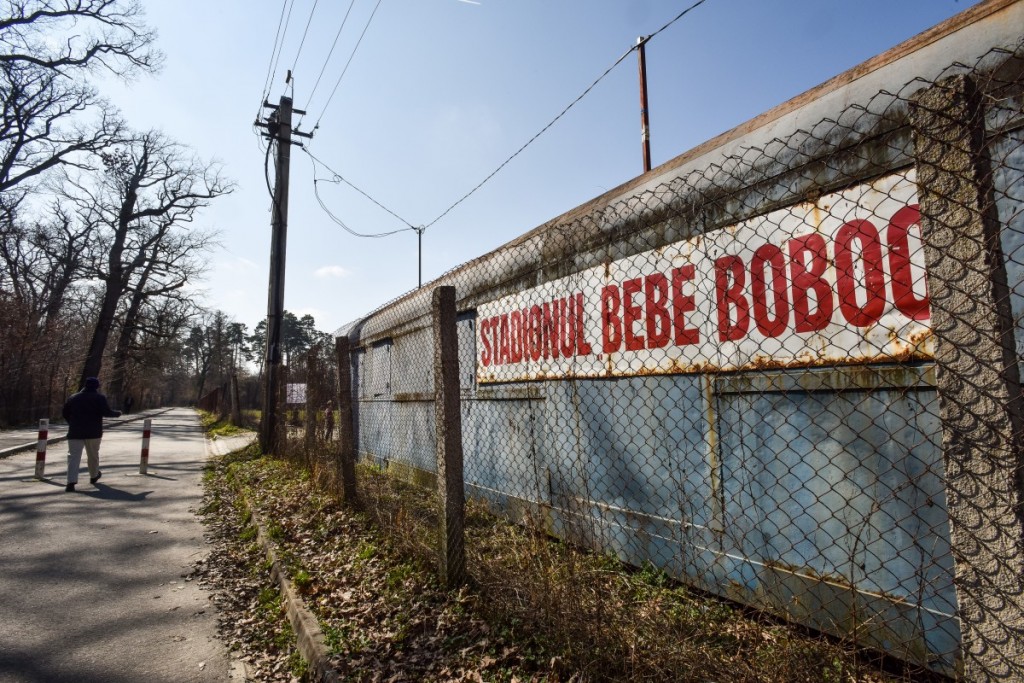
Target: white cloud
{"x":326,"y":272}
{"x":237,"y":264}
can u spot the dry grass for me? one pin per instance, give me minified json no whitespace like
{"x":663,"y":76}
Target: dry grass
{"x":569,"y":615}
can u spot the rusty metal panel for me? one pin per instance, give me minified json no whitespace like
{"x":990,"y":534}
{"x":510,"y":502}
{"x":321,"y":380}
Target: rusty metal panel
{"x":409,"y":373}
{"x":834,"y":280}
{"x":499,"y":440}
{"x":413,"y":441}
{"x":373,"y":407}
{"x":839,"y":491}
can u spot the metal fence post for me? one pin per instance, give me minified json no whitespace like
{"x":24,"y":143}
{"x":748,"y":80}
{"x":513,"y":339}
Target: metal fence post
{"x":147,"y":431}
{"x":346,"y":430}
{"x":977,"y":374}
{"x":448,"y":426}
{"x":44,"y":428}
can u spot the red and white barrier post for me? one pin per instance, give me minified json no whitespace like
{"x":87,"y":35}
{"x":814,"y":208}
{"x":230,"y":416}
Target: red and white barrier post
{"x":44,"y":428}
{"x":144,"y":462}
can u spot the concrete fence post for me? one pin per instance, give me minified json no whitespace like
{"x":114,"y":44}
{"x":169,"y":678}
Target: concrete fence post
{"x":448,"y":426}
{"x":977,"y":374}
{"x":44,"y":429}
{"x":236,"y":409}
{"x":346,"y":429}
{"x":312,"y":401}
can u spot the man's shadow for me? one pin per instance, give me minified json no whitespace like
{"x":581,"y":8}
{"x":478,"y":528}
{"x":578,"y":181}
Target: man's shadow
{"x":104,"y":492}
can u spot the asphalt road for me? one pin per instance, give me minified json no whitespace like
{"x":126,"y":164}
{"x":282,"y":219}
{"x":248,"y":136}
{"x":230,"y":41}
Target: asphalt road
{"x":92,"y":583}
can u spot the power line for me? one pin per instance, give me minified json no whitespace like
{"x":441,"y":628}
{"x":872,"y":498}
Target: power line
{"x":338,"y":178}
{"x":304,"y":32}
{"x":273,"y":53}
{"x":280,"y":49}
{"x":563,"y":112}
{"x":341,"y":223}
{"x":345,"y":70}
{"x":518,"y":151}
{"x":331,"y":52}
{"x":678,"y":17}
{"x":531,"y":140}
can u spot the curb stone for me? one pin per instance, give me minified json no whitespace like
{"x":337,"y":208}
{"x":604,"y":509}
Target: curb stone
{"x":309,"y":637}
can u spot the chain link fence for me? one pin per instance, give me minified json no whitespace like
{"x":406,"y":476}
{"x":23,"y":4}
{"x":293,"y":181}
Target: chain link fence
{"x":784,"y":373}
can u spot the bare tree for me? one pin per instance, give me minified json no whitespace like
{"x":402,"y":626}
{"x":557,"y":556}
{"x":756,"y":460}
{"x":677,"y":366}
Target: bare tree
{"x":170,"y":265}
{"x":148,"y":196}
{"x":48,"y":48}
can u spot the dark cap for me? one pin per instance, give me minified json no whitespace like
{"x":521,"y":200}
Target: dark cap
{"x":92,"y":383}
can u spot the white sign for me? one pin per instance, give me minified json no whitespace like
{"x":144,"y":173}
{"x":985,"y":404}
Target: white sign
{"x":839,"y":280}
{"x":294,"y":393}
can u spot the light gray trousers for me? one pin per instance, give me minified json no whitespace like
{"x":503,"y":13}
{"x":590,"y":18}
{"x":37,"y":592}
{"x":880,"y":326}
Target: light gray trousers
{"x":92,"y":451}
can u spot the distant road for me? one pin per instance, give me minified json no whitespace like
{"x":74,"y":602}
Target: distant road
{"x":15,"y":440}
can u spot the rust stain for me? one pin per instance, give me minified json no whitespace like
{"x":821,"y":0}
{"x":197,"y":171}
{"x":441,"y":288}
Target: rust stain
{"x":834,"y":579}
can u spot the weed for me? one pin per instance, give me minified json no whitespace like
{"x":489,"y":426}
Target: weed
{"x":302,"y":580}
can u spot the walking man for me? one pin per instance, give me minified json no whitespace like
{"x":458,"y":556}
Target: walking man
{"x":84,"y":412}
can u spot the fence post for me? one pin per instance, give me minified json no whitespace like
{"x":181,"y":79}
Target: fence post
{"x":346,"y":430}
{"x":448,"y":426}
{"x":144,"y":459}
{"x":236,"y":409}
{"x":312,"y":401}
{"x":977,"y":374}
{"x":44,"y":429}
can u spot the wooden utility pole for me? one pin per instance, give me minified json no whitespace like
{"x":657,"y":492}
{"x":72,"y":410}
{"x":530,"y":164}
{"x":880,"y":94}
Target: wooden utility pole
{"x":645,"y":125}
{"x":279,"y":132}
{"x":279,"y":127}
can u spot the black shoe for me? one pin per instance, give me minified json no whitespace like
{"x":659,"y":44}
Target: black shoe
{"x":93,"y":480}
{"x":70,"y":488}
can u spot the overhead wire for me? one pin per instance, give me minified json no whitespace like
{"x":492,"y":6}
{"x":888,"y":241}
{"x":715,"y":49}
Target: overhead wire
{"x":562,"y":113}
{"x":678,"y":17}
{"x":278,"y":42}
{"x":345,"y":70}
{"x":330,"y":53}
{"x":338,"y":178}
{"x":305,"y":32}
{"x":273,"y":53}
{"x":531,"y":140}
{"x":280,"y":50}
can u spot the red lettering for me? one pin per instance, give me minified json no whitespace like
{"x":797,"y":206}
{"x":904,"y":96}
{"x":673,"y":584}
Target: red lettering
{"x":611,"y":323}
{"x":582,"y":345}
{"x":515,"y":324}
{"x":658,"y":322}
{"x":681,"y":305}
{"x":503,"y":356}
{"x":567,"y":328}
{"x":551,"y":325}
{"x":900,"y":264}
{"x":485,"y":353}
{"x":847,"y":283}
{"x":729,"y":296}
{"x":631,"y":313}
{"x":771,"y":255}
{"x":809,"y":277}
{"x":536,"y":332}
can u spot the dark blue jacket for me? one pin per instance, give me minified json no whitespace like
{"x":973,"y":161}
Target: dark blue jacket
{"x":84,"y":412}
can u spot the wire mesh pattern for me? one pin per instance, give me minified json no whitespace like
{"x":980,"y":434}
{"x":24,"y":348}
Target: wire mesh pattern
{"x":788,"y":376}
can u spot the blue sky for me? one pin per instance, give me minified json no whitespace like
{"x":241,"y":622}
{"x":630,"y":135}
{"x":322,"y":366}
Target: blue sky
{"x":441,"y":92}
